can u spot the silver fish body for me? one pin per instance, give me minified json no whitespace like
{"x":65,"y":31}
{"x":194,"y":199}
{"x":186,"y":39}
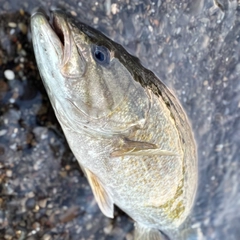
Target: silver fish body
{"x":128,"y":132}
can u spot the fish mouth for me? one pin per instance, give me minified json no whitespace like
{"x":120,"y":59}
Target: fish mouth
{"x":57,"y":27}
{"x":53,"y":20}
{"x":57,"y":30}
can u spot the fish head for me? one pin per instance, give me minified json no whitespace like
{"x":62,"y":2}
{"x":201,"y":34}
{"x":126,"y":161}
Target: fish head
{"x":81,"y":69}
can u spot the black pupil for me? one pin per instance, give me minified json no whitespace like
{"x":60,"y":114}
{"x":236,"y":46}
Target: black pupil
{"x":99,"y":55}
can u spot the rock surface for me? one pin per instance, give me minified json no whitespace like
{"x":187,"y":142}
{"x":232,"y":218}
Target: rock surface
{"x":193,"y":47}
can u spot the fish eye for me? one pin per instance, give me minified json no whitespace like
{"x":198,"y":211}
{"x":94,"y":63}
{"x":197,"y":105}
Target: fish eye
{"x":101,"y":55}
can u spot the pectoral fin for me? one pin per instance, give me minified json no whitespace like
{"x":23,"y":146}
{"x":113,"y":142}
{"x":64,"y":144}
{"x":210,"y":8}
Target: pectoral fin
{"x":137,"y":148}
{"x":102,"y":197}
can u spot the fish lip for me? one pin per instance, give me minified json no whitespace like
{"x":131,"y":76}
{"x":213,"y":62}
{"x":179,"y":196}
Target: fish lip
{"x":39,"y":10}
{"x":51,"y":19}
{"x":60,"y":26}
{"x":42,"y":24}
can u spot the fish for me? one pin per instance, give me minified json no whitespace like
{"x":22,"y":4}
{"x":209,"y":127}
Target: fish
{"x":128,"y":131}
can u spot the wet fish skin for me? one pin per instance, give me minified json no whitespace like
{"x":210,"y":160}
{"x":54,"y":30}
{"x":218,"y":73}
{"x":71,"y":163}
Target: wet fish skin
{"x":127,"y":130}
